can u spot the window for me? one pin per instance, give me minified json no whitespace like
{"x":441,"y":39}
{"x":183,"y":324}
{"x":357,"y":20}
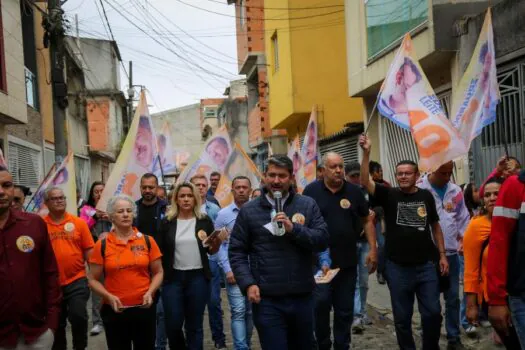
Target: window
{"x":388,"y":21}
{"x":3,"y":82}
{"x":242,"y":14}
{"x":24,"y":163}
{"x":31,"y":89}
{"x":210,"y":112}
{"x":275,"y":49}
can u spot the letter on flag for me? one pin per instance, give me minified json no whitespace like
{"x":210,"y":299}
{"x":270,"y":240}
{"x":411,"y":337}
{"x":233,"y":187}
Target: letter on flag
{"x":137,"y":157}
{"x":477,"y":95}
{"x":64,"y":178}
{"x":407,"y":99}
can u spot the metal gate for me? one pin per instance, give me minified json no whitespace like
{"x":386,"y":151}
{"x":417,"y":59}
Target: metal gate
{"x":508,"y":128}
{"x":347,"y":147}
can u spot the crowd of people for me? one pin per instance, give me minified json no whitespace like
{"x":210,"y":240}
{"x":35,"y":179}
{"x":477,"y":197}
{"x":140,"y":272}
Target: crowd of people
{"x":156,"y":264}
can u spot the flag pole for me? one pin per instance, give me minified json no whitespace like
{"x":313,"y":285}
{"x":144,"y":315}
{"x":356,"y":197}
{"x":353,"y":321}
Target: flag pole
{"x":161,"y":170}
{"x":371,"y":115}
{"x":53,"y":166}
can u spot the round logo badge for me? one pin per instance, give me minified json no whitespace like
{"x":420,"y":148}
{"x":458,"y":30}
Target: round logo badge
{"x":69,"y":227}
{"x":25,"y":244}
{"x":298,"y":218}
{"x":202,"y":235}
{"x":345,"y":203}
{"x":422,"y":212}
{"x":449,"y":207}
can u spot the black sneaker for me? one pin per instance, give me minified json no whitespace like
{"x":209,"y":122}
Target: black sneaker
{"x":380,"y":278}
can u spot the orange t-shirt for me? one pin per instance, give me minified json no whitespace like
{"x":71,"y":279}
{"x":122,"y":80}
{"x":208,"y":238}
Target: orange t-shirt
{"x":478,"y":231}
{"x":126,"y":266}
{"x":70,"y":239}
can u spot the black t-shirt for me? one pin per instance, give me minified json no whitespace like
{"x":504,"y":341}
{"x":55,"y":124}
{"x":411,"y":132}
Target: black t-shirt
{"x":147,"y":220}
{"x":342,"y":211}
{"x":409,"y":217}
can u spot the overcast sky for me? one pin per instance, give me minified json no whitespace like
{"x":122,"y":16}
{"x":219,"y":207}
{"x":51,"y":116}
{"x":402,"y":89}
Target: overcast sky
{"x":180,"y":70}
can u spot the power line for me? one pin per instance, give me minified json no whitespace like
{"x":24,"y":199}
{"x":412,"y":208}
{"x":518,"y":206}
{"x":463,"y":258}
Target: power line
{"x":261,"y":19}
{"x":112,"y":36}
{"x":102,"y":21}
{"x":282,"y":8}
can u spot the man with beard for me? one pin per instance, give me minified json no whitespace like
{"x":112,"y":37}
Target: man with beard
{"x":271,"y":258}
{"x":150,"y":212}
{"x":215,"y":178}
{"x":30,"y":295}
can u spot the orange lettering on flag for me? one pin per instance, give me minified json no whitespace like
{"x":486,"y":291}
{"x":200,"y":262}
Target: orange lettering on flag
{"x":440,"y":144}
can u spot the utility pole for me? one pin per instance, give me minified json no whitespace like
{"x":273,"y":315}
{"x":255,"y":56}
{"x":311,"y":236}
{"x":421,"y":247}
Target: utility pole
{"x":54,"y":39}
{"x":131,"y":94}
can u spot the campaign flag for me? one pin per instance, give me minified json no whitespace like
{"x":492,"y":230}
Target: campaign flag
{"x":270,"y":150}
{"x":137,"y":157}
{"x":2,"y":159}
{"x":239,"y":163}
{"x":309,"y":152}
{"x":214,"y":156}
{"x":167,"y":157}
{"x":407,"y":99}
{"x":64,"y":178}
{"x":477,"y":95}
{"x":182,"y":157}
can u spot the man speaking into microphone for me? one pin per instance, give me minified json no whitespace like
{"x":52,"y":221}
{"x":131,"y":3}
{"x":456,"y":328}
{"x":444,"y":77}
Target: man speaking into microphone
{"x":271,"y":249}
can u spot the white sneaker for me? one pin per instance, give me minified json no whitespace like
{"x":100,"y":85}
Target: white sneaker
{"x":471,"y":330}
{"x":357,"y":326}
{"x":485,"y":324}
{"x":96,"y":330}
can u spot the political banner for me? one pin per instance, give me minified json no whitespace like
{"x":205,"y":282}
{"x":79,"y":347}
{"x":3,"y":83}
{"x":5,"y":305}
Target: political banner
{"x":137,"y":157}
{"x":64,"y":178}
{"x":309,"y":153}
{"x":239,"y":164}
{"x":167,"y":157}
{"x":407,"y":99}
{"x":214,"y":157}
{"x":477,"y":95}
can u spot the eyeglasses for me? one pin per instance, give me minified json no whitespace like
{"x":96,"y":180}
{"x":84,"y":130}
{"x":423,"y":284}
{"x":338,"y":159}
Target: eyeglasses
{"x":57,"y":199}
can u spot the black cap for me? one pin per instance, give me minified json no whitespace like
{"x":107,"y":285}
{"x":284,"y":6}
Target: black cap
{"x":352,"y":168}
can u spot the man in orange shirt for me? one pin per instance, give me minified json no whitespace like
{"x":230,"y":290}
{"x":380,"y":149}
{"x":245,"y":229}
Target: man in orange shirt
{"x":72,"y":243}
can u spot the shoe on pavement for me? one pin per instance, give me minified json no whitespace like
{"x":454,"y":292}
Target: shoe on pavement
{"x":366,"y":321}
{"x":471,"y":331}
{"x":380,"y":278}
{"x":357,"y":326}
{"x":485,"y":324}
{"x":96,"y":330}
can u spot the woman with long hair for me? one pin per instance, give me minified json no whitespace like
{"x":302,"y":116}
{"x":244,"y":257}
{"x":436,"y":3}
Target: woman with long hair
{"x":130,"y":262}
{"x":475,"y":250}
{"x":472,"y":200}
{"x":186,"y":240}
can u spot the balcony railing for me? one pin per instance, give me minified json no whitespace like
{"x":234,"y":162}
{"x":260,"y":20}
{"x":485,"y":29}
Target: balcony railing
{"x":31,"y":89}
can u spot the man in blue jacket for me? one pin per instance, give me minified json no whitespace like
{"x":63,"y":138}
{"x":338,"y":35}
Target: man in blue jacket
{"x":273,"y":267}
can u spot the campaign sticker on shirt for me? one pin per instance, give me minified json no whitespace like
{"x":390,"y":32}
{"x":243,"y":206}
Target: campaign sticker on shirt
{"x":422,"y":212}
{"x":69,"y":227}
{"x":139,"y":234}
{"x":25,"y":244}
{"x":202,"y":235}
{"x":345,"y":203}
{"x":449,"y":207}
{"x":298,"y":218}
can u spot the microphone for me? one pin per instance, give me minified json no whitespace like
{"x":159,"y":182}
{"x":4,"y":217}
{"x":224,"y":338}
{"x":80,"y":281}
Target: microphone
{"x":277,"y":195}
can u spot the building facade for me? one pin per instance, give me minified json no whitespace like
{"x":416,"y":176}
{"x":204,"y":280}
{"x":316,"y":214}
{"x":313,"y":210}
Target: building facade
{"x":233,"y":113}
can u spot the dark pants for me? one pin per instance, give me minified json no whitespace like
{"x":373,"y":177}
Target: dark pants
{"x":404,"y":283}
{"x":452,"y":302}
{"x":284,"y":323}
{"x":339,"y":294}
{"x":74,"y":308}
{"x":134,"y":326}
{"x":214,"y":304}
{"x":184,"y":299}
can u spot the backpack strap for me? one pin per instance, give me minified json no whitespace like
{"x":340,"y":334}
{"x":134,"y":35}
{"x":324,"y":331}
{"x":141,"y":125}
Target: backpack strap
{"x":148,"y":242}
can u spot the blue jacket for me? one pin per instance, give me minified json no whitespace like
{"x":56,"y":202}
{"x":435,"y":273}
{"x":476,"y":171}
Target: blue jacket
{"x":279,"y":266}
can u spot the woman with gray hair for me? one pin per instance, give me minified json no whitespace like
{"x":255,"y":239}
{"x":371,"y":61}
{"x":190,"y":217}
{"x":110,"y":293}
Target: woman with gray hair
{"x":130,"y":262}
{"x":186,"y":240}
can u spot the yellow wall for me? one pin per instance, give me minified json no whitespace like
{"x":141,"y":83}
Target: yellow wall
{"x":313,"y":70}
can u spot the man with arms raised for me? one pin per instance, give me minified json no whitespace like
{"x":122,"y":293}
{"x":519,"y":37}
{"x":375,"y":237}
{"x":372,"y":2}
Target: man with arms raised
{"x":270,"y":255}
{"x":411,"y":256}
{"x":30,"y":290}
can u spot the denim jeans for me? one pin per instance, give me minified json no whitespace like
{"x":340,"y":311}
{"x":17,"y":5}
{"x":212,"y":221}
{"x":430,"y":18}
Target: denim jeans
{"x":404,"y":283}
{"x":339,"y":294}
{"x":380,"y":249}
{"x":517,"y":310}
{"x":284,"y":322}
{"x":161,"y":341}
{"x":242,"y":321}
{"x":362,"y":280}
{"x":452,"y":302}
{"x":184,"y":300}
{"x":214,"y":304}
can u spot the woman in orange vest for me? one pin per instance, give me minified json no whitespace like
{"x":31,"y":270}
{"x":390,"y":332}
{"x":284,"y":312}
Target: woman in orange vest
{"x":476,"y":251}
{"x":186,"y":242}
{"x":132,"y":268}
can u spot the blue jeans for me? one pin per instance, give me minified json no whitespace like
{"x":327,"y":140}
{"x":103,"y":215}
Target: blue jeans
{"x":517,"y":310}
{"x":380,"y":249}
{"x":161,"y":341}
{"x":242,"y":321}
{"x":214,"y":304}
{"x":362,"y":280}
{"x":184,"y":300}
{"x":404,"y":283}
{"x":284,"y":322}
{"x":452,"y":302}
{"x":339,"y":294}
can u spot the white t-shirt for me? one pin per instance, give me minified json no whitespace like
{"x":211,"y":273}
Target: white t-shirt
{"x":187,"y":254}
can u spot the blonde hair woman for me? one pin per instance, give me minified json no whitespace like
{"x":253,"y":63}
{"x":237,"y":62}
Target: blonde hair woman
{"x":185,"y":242}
